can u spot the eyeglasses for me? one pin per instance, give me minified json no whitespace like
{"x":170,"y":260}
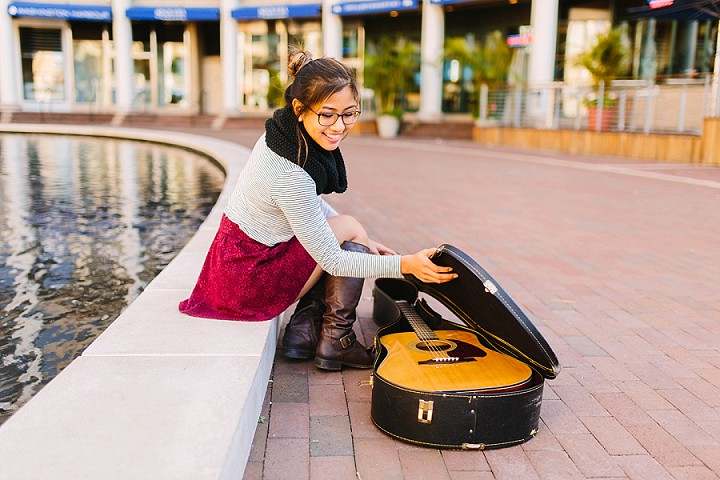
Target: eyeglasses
{"x":328,"y":119}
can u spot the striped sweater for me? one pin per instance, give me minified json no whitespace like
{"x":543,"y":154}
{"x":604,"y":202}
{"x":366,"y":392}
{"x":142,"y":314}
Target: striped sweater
{"x":275,"y":200}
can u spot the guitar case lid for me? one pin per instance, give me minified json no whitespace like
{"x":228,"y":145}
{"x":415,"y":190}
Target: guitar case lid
{"x":479,"y":301}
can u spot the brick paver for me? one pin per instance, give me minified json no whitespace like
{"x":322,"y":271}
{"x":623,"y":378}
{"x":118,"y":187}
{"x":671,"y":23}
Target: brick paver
{"x":617,"y":263}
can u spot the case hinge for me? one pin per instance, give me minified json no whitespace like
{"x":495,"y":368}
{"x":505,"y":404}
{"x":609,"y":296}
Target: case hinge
{"x":425,"y":411}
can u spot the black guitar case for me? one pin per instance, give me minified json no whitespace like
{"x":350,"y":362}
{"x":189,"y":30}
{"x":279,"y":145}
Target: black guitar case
{"x":468,"y":419}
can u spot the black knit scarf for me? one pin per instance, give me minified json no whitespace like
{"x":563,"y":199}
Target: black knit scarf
{"x":326,"y":168}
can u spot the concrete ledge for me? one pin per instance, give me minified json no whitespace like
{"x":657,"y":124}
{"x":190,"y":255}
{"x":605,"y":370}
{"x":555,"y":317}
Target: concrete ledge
{"x":159,"y":394}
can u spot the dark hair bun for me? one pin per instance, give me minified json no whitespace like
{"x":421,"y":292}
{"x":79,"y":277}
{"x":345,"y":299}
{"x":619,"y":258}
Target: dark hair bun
{"x":297,"y":60}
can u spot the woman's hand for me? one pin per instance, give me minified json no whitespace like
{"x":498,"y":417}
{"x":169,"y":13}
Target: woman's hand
{"x":378,"y":248}
{"x":424,"y":269}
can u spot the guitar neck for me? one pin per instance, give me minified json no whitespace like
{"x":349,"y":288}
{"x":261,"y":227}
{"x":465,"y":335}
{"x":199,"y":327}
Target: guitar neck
{"x":418,"y":325}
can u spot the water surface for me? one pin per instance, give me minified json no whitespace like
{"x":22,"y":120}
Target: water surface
{"x":85,"y":224}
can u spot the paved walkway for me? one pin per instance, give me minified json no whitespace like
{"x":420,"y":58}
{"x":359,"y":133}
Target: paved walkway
{"x":616,"y":262}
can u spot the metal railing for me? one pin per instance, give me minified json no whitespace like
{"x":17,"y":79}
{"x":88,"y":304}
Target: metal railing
{"x":672,"y":106}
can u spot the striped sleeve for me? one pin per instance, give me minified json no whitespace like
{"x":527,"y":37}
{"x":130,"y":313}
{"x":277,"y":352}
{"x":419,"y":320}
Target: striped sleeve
{"x":327,"y":210}
{"x":294,"y":194}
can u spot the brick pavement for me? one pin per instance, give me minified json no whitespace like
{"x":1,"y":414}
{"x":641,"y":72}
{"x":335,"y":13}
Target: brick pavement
{"x":615,"y":261}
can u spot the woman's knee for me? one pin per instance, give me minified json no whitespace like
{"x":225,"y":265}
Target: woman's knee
{"x":346,"y":227}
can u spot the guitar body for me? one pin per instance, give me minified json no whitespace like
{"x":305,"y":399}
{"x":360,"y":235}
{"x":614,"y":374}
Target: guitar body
{"x":444,"y":385}
{"x":409,"y":364}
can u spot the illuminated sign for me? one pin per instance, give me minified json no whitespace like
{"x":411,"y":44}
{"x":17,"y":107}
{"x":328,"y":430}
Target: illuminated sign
{"x":269,"y":12}
{"x":93,"y":13}
{"x":519,"y":40}
{"x":373,"y":6}
{"x":173,"y":14}
{"x":660,"y":3}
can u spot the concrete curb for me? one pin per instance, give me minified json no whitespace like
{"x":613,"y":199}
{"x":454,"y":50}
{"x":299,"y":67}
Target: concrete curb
{"x":159,"y":394}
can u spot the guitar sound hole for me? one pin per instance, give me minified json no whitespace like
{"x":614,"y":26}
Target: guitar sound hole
{"x":434,"y":346}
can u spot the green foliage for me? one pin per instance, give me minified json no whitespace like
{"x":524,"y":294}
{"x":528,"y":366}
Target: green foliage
{"x":490,"y":61}
{"x":390,"y":64}
{"x":607,"y":58}
{"x":276,"y":90}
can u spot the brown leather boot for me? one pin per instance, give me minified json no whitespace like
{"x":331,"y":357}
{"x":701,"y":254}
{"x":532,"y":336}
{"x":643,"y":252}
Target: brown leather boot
{"x":303,"y":329}
{"x":338,"y":344}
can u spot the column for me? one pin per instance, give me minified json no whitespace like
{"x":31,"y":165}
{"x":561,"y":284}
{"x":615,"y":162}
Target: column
{"x":229,"y":57}
{"x":332,"y":30}
{"x":431,"y":55}
{"x":543,"y":22}
{"x":541,"y":68}
{"x":122,"y":43}
{"x":9,"y":98}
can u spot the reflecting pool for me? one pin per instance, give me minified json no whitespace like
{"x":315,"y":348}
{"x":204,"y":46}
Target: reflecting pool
{"x":85,"y":225}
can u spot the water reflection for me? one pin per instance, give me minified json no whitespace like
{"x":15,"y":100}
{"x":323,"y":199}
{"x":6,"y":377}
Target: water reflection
{"x":85,"y":224}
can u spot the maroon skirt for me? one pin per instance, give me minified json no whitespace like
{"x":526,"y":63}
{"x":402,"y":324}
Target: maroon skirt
{"x":243,"y":279}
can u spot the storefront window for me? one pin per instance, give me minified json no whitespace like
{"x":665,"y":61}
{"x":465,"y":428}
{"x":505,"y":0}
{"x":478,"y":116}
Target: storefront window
{"x":142,"y":76}
{"x":43,"y":64}
{"x":142,"y":86}
{"x":88,"y":70}
{"x":172,"y":86}
{"x":159,"y":65}
{"x":263,"y":89}
{"x":88,"y":62}
{"x":351,"y":43}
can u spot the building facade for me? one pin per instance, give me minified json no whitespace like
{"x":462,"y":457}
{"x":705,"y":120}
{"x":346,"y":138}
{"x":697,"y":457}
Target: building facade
{"x":227,"y":57}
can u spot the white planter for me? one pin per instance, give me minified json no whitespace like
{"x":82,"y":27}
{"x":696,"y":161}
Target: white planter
{"x":388,"y":126}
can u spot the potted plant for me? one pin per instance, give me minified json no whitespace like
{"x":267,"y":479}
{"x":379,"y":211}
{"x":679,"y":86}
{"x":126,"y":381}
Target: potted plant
{"x":605,"y":60}
{"x":490,"y":62}
{"x":390,"y":64}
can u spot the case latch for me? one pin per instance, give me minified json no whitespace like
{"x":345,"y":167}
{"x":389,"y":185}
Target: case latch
{"x":490,"y":287}
{"x":425,"y":411}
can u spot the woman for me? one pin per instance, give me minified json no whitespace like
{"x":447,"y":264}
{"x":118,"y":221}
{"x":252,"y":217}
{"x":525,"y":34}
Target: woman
{"x":278,"y":238}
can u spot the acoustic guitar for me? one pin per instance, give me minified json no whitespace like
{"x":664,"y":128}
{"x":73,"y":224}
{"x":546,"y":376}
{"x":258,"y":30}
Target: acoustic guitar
{"x":446,"y":360}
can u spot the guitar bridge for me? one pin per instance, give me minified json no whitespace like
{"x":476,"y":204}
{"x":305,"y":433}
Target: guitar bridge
{"x":445,"y":360}
{"x":425,"y":411}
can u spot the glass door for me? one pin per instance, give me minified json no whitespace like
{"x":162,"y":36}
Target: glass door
{"x":160,"y":66}
{"x":259,"y":47}
{"x":172,"y":65}
{"x":91,"y":64}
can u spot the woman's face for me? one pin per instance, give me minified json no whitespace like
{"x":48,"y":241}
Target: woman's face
{"x":330,"y":136}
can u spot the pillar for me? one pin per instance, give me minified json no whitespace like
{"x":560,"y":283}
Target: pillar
{"x":9,"y":94}
{"x":229,"y":57}
{"x":431,"y":54}
{"x":541,"y":65}
{"x":332,"y":30}
{"x":122,"y":43}
{"x":543,"y":22}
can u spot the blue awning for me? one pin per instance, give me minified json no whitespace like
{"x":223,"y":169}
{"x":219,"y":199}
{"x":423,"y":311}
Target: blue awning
{"x":93,"y":13}
{"x":173,"y":14}
{"x":268,"y":12}
{"x":373,"y":6}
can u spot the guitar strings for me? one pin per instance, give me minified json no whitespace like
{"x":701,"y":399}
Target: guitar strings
{"x":423,"y":332}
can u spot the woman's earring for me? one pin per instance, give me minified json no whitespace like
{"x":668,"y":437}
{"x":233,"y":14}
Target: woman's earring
{"x":300,"y":119}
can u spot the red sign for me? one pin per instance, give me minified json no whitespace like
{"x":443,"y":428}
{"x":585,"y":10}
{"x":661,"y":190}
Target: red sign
{"x":520,"y":40}
{"x":660,"y":3}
